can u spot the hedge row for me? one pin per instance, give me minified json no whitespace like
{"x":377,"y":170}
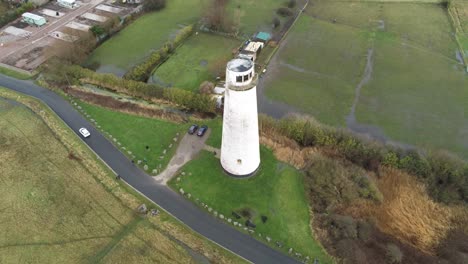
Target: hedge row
{"x":142,"y":71}
{"x":445,"y":175}
{"x":11,"y":15}
{"x":183,"y":98}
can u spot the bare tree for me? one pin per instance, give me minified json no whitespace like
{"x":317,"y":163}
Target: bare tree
{"x":73,"y":52}
{"x":217,"y":17}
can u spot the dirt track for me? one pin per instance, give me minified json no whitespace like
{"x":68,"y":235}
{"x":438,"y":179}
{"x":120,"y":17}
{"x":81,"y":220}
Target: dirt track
{"x":188,"y":148}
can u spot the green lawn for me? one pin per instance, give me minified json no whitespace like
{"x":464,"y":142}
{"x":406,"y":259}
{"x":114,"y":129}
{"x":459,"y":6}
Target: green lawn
{"x":276,"y":191}
{"x":146,"y":34}
{"x":216,"y":126}
{"x":318,"y":69}
{"x":202,"y":57}
{"x":136,"y":132}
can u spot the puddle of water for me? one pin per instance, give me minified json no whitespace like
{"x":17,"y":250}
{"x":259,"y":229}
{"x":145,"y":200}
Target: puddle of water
{"x":154,"y":79}
{"x":459,"y":56}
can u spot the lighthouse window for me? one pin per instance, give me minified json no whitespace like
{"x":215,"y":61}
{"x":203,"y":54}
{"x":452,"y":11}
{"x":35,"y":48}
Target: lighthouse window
{"x":250,"y":75}
{"x":238,"y":78}
{"x":239,"y":161}
{"x":246,"y":77}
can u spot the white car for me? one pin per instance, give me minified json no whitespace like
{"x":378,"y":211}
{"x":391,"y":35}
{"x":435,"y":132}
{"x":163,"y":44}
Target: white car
{"x":84,"y":132}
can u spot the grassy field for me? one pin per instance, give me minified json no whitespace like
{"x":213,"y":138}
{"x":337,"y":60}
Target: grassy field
{"x":415,"y":93}
{"x":316,"y":74}
{"x":426,"y":108}
{"x":254,"y":15}
{"x":277,"y":192}
{"x":55,"y":211}
{"x":460,"y":13}
{"x":200,"y":58}
{"x":136,"y":132}
{"x":147,"y":33}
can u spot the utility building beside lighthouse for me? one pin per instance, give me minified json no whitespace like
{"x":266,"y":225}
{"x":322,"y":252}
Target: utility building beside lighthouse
{"x":240,"y":148}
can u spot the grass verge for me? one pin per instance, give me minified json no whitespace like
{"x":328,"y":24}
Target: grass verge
{"x":14,"y":74}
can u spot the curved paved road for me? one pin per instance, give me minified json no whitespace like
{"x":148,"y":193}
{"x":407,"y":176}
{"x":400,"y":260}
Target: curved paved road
{"x":185,"y":211}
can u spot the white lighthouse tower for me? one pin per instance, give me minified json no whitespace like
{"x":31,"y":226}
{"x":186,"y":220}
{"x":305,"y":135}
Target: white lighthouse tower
{"x":240,"y":148}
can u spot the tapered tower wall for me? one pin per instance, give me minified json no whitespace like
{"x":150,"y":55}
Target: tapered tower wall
{"x":240,"y":149}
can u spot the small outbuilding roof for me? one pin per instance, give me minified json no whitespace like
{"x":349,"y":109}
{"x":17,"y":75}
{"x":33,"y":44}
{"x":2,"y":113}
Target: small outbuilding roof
{"x":32,"y":16}
{"x":254,"y":46}
{"x":264,"y":36}
{"x":67,"y":1}
{"x":219,"y":90}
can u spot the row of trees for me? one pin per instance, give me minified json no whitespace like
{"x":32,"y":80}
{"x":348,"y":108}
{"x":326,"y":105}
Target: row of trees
{"x":445,"y":175}
{"x":142,"y":71}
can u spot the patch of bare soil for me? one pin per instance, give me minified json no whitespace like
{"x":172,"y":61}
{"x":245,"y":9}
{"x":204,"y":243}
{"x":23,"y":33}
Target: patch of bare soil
{"x":121,"y":106}
{"x":188,"y":148}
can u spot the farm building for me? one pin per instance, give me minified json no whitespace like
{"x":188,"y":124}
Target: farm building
{"x":263,"y":37}
{"x":251,"y":51}
{"x":67,"y":3}
{"x":33,"y":19}
{"x":254,"y":47}
{"x":247,"y":55}
{"x":219,"y":90}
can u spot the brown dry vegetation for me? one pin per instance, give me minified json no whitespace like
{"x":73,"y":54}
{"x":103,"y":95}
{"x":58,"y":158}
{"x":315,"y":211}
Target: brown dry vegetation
{"x":284,"y":148}
{"x":398,"y":219}
{"x":408,"y":213}
{"x":124,"y":107}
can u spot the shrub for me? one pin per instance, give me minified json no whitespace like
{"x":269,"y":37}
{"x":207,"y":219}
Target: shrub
{"x":446,"y":4}
{"x":206,"y":87}
{"x":343,"y":226}
{"x":393,"y":254}
{"x":11,"y":15}
{"x":331,"y":183}
{"x":97,"y":30}
{"x":292,"y":3}
{"x":153,"y":5}
{"x":142,"y":71}
{"x":284,"y":12}
{"x":276,"y":22}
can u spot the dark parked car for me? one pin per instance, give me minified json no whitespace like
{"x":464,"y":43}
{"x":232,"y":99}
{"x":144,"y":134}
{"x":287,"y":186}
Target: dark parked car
{"x":192,"y":129}
{"x":202,"y":130}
